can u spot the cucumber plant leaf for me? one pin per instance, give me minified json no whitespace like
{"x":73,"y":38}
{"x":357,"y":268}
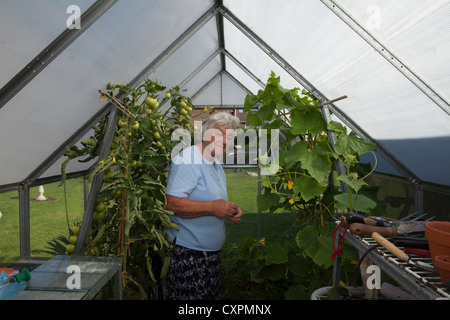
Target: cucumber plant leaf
{"x":267,"y":200}
{"x":354,"y":184}
{"x":309,"y":122}
{"x":316,"y":161}
{"x":276,"y":254}
{"x":351,"y":144}
{"x":359,"y":202}
{"x":308,"y":188}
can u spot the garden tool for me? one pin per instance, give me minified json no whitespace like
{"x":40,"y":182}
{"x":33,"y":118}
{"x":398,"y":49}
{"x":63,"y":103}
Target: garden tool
{"x":410,"y":242}
{"x":365,"y":225}
{"x":400,"y":254}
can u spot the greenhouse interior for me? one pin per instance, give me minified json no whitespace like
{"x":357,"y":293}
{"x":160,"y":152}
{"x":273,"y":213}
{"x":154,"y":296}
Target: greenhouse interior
{"x":355,"y":94}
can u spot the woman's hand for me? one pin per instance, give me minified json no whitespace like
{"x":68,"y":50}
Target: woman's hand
{"x":237,"y":216}
{"x":187,"y":208}
{"x":224,"y":209}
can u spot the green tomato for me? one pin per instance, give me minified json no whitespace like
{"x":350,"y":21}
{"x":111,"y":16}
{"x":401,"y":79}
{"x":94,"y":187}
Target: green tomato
{"x":75,"y":230}
{"x":135,"y":125}
{"x":70,"y":248}
{"x":122,"y":123}
{"x":101,"y":206}
{"x":150,"y":101}
{"x":73,"y":239}
{"x":99,"y":215}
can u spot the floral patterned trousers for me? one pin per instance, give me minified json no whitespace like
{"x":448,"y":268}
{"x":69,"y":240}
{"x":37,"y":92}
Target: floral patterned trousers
{"x":194,"y":275}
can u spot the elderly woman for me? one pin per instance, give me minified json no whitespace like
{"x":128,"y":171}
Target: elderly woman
{"x":197,"y":195}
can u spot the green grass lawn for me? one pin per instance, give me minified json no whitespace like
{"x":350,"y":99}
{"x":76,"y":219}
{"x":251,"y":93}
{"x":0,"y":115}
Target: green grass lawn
{"x":243,"y":190}
{"x":47,"y":219}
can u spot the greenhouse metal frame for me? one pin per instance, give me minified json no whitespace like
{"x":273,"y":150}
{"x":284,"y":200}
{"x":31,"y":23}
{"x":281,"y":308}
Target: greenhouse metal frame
{"x":389,"y":59}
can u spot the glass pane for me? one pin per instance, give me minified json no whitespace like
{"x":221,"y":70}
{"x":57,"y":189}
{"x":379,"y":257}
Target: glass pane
{"x":53,"y":275}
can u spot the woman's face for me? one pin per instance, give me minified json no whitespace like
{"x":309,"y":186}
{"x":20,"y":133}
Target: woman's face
{"x":219,"y":139}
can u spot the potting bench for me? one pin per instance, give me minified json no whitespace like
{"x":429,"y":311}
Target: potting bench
{"x":420,"y":283}
{"x":70,"y":277}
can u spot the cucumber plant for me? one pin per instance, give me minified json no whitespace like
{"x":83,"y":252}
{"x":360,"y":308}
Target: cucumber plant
{"x":307,"y":160}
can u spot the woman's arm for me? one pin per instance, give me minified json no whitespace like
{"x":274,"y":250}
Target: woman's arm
{"x":187,"y":208}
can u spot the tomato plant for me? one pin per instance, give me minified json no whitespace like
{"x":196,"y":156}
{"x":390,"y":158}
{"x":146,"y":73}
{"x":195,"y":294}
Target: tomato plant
{"x":130,"y":216}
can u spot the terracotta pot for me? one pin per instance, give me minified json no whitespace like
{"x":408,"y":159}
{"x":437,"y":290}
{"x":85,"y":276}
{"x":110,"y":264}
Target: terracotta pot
{"x":438,"y":236}
{"x":443,"y":264}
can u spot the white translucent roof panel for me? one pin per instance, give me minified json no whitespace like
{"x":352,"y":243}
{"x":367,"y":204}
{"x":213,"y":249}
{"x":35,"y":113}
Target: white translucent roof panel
{"x":222,"y":92}
{"x":419,"y":34}
{"x":201,"y":79}
{"x":252,"y":57}
{"x":63,"y":97}
{"x":27,"y":27}
{"x":243,"y":77}
{"x":330,"y":55}
{"x":191,"y":55}
{"x":73,"y":165}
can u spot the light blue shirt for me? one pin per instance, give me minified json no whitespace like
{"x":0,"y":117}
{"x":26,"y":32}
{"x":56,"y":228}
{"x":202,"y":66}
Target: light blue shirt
{"x":192,"y":176}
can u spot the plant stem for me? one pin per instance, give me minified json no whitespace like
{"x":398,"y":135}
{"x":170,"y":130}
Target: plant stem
{"x":349,"y":194}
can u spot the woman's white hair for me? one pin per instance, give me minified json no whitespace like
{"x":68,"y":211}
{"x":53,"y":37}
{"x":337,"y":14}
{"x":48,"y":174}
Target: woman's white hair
{"x":223,"y":119}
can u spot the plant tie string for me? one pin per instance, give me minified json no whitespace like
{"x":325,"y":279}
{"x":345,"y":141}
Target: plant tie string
{"x":338,"y":251}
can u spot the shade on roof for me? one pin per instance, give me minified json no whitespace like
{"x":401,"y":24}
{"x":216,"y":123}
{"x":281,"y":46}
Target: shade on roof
{"x":390,"y":58}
